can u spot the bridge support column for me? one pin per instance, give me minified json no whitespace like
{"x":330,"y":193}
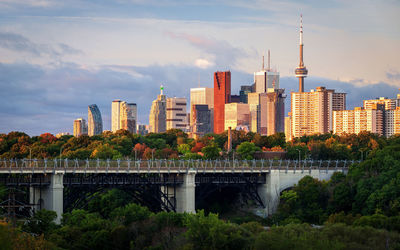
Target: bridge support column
{"x":186,"y":193}
{"x":51,"y":197}
{"x":270,"y":192}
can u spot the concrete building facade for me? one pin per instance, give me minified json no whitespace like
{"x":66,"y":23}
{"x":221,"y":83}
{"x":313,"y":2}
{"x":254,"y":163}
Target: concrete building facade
{"x":176,"y":114}
{"x":237,"y":115}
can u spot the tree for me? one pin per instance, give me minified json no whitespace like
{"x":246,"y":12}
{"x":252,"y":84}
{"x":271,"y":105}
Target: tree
{"x":42,"y":222}
{"x":211,"y":152}
{"x":183,"y":148}
{"x":246,"y":150}
{"x":106,"y":152}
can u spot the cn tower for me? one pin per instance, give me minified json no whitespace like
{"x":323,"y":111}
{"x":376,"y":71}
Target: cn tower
{"x":301,"y":70}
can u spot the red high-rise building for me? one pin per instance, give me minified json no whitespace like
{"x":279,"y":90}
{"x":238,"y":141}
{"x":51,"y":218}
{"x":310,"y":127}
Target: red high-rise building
{"x":222,"y":95}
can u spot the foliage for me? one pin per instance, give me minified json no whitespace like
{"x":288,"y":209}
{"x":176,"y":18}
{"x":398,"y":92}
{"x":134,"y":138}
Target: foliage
{"x":211,"y":152}
{"x":246,"y":150}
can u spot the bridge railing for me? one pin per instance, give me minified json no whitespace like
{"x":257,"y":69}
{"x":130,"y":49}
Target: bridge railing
{"x":97,"y":165}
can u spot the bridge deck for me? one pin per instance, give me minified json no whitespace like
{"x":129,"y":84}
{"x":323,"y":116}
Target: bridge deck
{"x":26,"y":166}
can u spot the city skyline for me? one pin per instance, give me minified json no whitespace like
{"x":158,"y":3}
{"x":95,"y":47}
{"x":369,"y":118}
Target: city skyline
{"x":49,"y":78}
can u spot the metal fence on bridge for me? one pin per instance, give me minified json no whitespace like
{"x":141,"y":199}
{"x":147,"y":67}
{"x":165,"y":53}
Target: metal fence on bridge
{"x":176,"y":166}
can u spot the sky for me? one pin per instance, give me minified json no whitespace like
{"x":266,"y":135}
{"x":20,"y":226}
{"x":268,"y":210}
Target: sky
{"x":57,"y":57}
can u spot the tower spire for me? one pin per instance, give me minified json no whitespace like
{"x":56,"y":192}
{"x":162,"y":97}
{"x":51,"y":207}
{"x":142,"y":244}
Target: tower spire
{"x":301,"y":70}
{"x":269,"y":61}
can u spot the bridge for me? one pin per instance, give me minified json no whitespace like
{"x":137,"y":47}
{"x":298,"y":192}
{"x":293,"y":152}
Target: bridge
{"x":169,"y":184}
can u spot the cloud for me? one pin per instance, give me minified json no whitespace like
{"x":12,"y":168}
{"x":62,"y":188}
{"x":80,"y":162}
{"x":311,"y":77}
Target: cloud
{"x":224,"y":53}
{"x":203,"y":63}
{"x":393,"y":76}
{"x":19,"y":43}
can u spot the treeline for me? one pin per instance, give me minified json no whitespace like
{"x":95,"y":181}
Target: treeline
{"x":175,"y":144}
{"x":129,"y":226}
{"x":369,"y":195}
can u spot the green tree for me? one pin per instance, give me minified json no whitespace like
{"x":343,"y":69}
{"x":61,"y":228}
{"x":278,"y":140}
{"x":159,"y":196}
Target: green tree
{"x":246,"y":150}
{"x":42,"y":222}
{"x":211,"y":152}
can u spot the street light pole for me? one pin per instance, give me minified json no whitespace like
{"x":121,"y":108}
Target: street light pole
{"x":299,"y":155}
{"x":60,"y":153}
{"x":30,"y":157}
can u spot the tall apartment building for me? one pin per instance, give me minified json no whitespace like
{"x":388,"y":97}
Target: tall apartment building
{"x":176,"y":113}
{"x":392,"y":121}
{"x":222,"y":96}
{"x":201,"y":96}
{"x":201,"y":119}
{"x":312,"y":111}
{"x":95,"y":123}
{"x":80,"y":127}
{"x":158,"y":114}
{"x":123,"y":116}
{"x":237,"y":115}
{"x":388,"y":103}
{"x":357,"y":120}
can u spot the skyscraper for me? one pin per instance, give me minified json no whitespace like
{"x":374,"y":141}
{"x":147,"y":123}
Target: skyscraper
{"x":80,"y":127}
{"x":123,"y":116}
{"x":276,"y":111}
{"x":115,"y":115}
{"x":158,"y":113}
{"x":201,"y":96}
{"x":301,"y":70}
{"x":176,"y":113}
{"x":222,"y":95}
{"x":266,"y":80}
{"x":128,"y":113}
{"x":95,"y":123}
{"x":200,"y":119}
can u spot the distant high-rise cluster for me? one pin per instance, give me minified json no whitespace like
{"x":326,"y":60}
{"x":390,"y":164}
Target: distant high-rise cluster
{"x":258,"y":108}
{"x":380,"y":116}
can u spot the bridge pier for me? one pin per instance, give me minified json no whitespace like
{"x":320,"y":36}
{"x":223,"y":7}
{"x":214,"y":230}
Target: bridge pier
{"x":51,"y":197}
{"x":186,"y":193}
{"x":279,"y":180}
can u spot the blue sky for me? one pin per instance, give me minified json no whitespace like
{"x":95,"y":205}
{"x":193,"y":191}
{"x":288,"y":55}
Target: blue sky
{"x":58,"y":57}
